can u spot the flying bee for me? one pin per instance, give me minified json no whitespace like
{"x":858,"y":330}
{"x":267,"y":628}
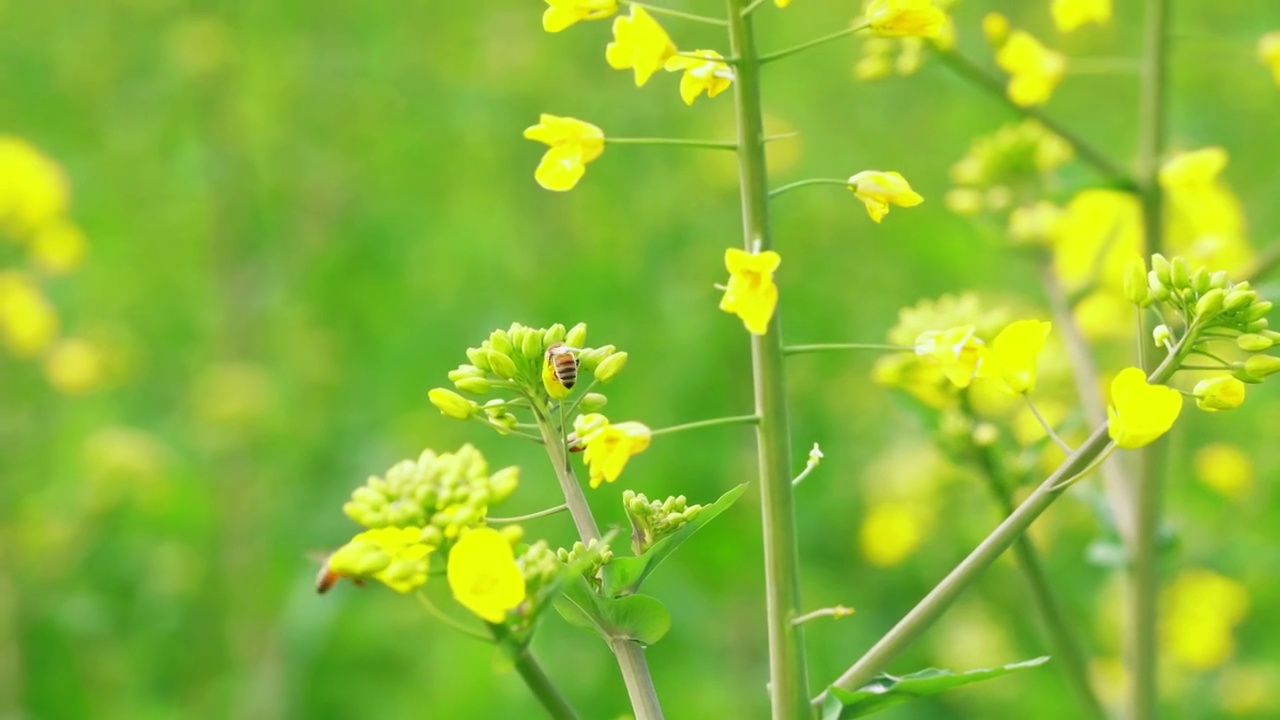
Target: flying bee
{"x":564,"y":363}
{"x":327,"y":578}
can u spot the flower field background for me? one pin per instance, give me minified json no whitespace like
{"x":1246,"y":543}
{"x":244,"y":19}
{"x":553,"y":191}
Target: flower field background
{"x":296,"y":215}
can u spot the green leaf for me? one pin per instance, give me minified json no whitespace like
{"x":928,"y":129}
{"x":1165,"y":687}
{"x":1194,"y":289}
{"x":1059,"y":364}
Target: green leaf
{"x":623,"y":575}
{"x":887,"y":690}
{"x":635,"y":617}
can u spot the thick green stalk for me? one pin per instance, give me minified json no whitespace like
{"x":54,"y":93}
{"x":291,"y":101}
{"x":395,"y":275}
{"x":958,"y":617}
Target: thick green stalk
{"x":928,"y":610}
{"x":1144,"y":570}
{"x":555,"y":704}
{"x":630,"y":656}
{"x":788,"y":676}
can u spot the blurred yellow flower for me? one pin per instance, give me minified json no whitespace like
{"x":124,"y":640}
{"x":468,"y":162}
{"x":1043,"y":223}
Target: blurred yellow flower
{"x":75,"y":366}
{"x":572,"y":142}
{"x":1269,"y":53}
{"x":878,"y":189}
{"x":1204,"y":218}
{"x":995,"y":28}
{"x":1096,"y":236}
{"x":1201,"y":610}
{"x":1035,"y":223}
{"x":710,"y":74}
{"x":1219,"y":393}
{"x":58,"y":247}
{"x":560,"y":14}
{"x":1034,"y":70}
{"x":1224,"y":468}
{"x":1140,"y":412}
{"x":1195,"y":170}
{"x":1012,"y":355}
{"x":608,"y":446}
{"x":28,"y":322}
{"x":397,"y":557}
{"x":1104,"y":315}
{"x":956,"y":351}
{"x":782,"y":3}
{"x":1249,"y":690}
{"x":905,"y":18}
{"x":891,"y":532}
{"x":1071,"y":14}
{"x":640,"y":44}
{"x":484,"y":576}
{"x":751,"y":293}
{"x":33,"y":189}
{"x":922,"y":381}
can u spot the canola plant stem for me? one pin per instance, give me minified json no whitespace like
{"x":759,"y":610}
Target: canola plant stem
{"x":804,"y":183}
{"x":810,"y":44}
{"x":631,"y":660}
{"x":734,"y":420}
{"x":681,"y":142}
{"x":788,"y":675}
{"x":552,"y":701}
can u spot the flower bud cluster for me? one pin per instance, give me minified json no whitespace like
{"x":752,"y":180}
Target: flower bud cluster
{"x":1000,"y":168}
{"x":442,"y":494}
{"x":589,"y":558}
{"x":652,"y":520}
{"x":541,"y":567}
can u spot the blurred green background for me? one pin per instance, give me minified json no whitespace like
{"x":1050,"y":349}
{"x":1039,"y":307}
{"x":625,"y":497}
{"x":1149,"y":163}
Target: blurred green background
{"x":300,"y":213}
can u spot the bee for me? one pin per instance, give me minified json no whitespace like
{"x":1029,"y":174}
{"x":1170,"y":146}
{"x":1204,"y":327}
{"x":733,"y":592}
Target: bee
{"x":327,"y":578}
{"x":564,"y":363}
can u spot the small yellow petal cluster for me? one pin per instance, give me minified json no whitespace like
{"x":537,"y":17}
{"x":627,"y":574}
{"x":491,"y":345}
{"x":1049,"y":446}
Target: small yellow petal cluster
{"x":28,"y":322}
{"x":1034,"y":70}
{"x":572,"y":144}
{"x":892,"y":531}
{"x":1200,"y":611}
{"x":751,"y":293}
{"x":1012,"y":356}
{"x":877,"y":190}
{"x":33,"y":189}
{"x":608,"y":446}
{"x":1071,"y":14}
{"x":1219,"y":393}
{"x":1224,"y":468}
{"x":639,"y":44}
{"x":1140,"y":412}
{"x":561,"y":14}
{"x":905,"y":18}
{"x":710,"y":74}
{"x":956,"y":351}
{"x":1269,"y":53}
{"x":484,"y":576}
{"x":395,"y":556}
{"x":75,"y":366}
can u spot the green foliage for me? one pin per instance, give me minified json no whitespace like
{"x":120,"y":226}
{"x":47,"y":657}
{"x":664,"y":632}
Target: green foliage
{"x":887,"y":690}
{"x":633,"y":617}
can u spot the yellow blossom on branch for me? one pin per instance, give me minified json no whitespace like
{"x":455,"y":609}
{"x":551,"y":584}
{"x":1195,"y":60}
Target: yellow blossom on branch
{"x":1034,"y":70}
{"x":572,"y":144}
{"x":1219,"y":393}
{"x":956,"y":351}
{"x":905,"y":18}
{"x":395,"y":556}
{"x":710,"y":74}
{"x":877,"y":190}
{"x":1071,"y":14}
{"x":751,"y":293}
{"x":561,"y":14}
{"x":1012,"y":356}
{"x":1269,"y":53}
{"x":609,"y":446}
{"x":1140,"y":412}
{"x":1193,"y":171}
{"x":640,"y":44}
{"x":484,"y":576}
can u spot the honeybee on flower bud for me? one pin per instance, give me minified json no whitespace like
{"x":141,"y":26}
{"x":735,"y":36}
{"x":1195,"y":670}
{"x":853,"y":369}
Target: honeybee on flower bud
{"x":327,"y":578}
{"x":564,"y":364}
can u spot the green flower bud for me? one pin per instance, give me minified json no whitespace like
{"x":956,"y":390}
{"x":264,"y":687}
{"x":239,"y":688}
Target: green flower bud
{"x":1180,"y":273}
{"x":985,"y":434}
{"x":1159,"y":289}
{"x":474,"y":385}
{"x":369,"y":563}
{"x":1256,"y":326}
{"x":501,"y":342}
{"x":465,"y":371}
{"x":554,"y":334}
{"x":1238,"y":299}
{"x":362,"y":514}
{"x":1200,"y":281}
{"x":503,"y":366}
{"x":1258,"y":310}
{"x":1210,"y":304}
{"x":1219,"y":393}
{"x":432,"y":536}
{"x":1162,"y":335}
{"x":610,"y":367}
{"x":1253,"y":342}
{"x":592,"y":402}
{"x":479,"y":357}
{"x":1161,"y":270}
{"x":1135,"y":283}
{"x":577,"y":336}
{"x":511,"y":533}
{"x":592,"y":357}
{"x":1219,"y":279}
{"x":1260,"y":366}
{"x":452,"y":404}
{"x":368,"y":497}
{"x":503,"y":483}
{"x":532,"y":346}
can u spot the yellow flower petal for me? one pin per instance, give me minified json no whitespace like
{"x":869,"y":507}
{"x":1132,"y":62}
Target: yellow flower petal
{"x":561,"y":14}
{"x":905,"y":18}
{"x":878,"y":189}
{"x":640,"y":44}
{"x":572,"y":144}
{"x":1071,"y":14}
{"x":751,"y":293}
{"x":1012,"y":357}
{"x":1140,"y":412}
{"x":609,"y":446}
{"x":1034,"y":70}
{"x":484,"y":576}
{"x":1219,"y":393}
{"x":710,"y":75}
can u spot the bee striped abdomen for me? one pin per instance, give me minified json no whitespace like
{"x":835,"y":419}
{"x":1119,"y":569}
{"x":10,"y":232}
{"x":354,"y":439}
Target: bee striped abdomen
{"x":564,"y":364}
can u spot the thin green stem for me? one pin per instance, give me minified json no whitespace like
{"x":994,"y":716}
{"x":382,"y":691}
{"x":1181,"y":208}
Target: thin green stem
{"x":752,"y":7}
{"x":574,"y":408}
{"x":440,"y":615}
{"x":630,"y":657}
{"x":1144,"y":571}
{"x":1204,"y":367}
{"x":970,"y":71}
{"x":788,"y":674}
{"x":841,"y":347}
{"x":531,"y":516}
{"x":805,"y":183}
{"x":928,"y":610}
{"x":837,"y":612}
{"x":1048,"y":429}
{"x":808,"y":468}
{"x":733,"y":420}
{"x":770,"y":57}
{"x":657,"y":10}
{"x":681,"y":142}
{"x":782,"y":136}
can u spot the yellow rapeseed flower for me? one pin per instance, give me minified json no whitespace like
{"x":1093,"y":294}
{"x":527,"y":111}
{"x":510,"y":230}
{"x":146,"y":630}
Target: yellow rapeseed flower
{"x":751,"y":293}
{"x":905,"y":18}
{"x":1012,"y":356}
{"x":710,"y":75}
{"x":892,"y":531}
{"x":1269,"y":53}
{"x":394,"y":556}
{"x":956,"y":351}
{"x":1034,"y":70}
{"x":1140,"y":412}
{"x":640,"y":44}
{"x":1224,"y":468}
{"x":484,"y":576}
{"x":1071,"y":14}
{"x":33,"y":189}
{"x":28,"y":322}
{"x":878,"y":189}
{"x":609,"y":446}
{"x":1193,"y":171}
{"x":561,"y":14}
{"x":58,"y":247}
{"x":1199,"y":614}
{"x":1219,"y":393}
{"x":995,"y":28}
{"x":572,"y":142}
